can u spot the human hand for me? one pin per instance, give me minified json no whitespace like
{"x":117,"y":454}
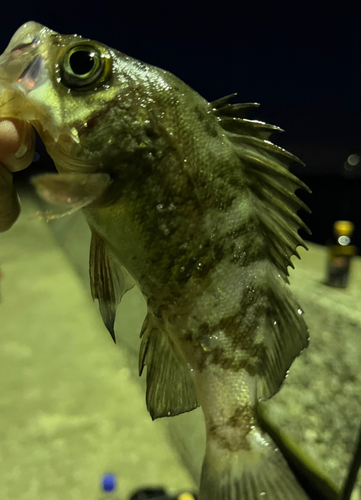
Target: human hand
{"x":17,"y":142}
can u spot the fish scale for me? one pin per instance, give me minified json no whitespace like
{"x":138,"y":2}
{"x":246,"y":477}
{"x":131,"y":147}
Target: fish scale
{"x":191,"y":202}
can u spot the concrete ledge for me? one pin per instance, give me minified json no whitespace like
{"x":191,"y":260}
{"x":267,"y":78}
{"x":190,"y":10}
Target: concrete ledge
{"x":70,"y":410}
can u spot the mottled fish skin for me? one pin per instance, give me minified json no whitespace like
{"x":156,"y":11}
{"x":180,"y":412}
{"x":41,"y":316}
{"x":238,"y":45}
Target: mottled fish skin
{"x":197,"y":208}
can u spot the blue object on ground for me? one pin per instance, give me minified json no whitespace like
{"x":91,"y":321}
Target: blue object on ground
{"x":109,"y":482}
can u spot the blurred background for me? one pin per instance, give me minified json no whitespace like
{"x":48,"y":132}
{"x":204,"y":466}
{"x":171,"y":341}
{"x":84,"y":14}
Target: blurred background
{"x":71,"y":407}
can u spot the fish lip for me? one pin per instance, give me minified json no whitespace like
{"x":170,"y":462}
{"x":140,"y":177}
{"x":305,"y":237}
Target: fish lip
{"x":18,"y":75}
{"x":22,"y":46}
{"x":13,"y":64}
{"x":24,"y":74}
{"x":23,"y":61}
{"x":32,"y":74}
{"x":25,"y":69}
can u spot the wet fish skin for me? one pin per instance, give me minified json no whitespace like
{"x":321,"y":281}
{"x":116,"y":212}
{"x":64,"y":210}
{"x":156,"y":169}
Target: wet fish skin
{"x":197,"y":208}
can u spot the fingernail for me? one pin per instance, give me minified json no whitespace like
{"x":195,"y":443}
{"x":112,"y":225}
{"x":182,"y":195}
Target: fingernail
{"x":26,"y":142}
{"x":21,"y":151}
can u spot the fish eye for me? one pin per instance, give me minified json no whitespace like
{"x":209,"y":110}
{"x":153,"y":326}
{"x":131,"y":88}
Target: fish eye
{"x":82,"y":62}
{"x":85,"y":67}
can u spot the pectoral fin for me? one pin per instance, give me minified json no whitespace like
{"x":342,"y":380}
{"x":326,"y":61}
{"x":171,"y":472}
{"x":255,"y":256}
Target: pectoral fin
{"x":70,"y":191}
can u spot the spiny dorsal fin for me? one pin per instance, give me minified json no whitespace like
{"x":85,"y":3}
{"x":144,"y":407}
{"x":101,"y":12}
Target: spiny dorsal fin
{"x":260,"y":130}
{"x":170,"y":389}
{"x":222,"y":108}
{"x":108,"y":281}
{"x":272,"y":185}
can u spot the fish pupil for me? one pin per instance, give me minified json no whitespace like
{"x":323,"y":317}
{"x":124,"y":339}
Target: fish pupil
{"x":81,"y":62}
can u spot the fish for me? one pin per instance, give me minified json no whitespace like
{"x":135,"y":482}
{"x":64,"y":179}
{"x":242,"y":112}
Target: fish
{"x":191,"y":202}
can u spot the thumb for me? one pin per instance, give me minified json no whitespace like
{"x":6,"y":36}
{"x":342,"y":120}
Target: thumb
{"x":17,"y":143}
{"x":16,"y":153}
{"x":9,"y":200}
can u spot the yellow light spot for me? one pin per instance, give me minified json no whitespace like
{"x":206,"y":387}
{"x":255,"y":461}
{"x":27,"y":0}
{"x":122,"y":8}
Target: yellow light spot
{"x":186,"y":496}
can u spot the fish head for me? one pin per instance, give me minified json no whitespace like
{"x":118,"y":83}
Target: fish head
{"x":90,"y":104}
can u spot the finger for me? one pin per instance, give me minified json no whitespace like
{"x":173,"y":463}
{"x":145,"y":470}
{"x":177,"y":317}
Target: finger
{"x":9,"y":201}
{"x":17,"y":143}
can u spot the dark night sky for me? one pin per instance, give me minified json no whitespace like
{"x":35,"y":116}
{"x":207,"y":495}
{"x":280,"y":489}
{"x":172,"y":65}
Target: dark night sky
{"x":303,"y":64}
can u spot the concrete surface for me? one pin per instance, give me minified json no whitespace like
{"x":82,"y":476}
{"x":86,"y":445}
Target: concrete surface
{"x":69,"y":408}
{"x":72,"y":405}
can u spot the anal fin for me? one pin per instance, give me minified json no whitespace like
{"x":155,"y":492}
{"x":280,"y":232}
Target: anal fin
{"x":170,"y":388}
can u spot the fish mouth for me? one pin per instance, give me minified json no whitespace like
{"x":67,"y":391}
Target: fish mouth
{"x":22,"y":69}
{"x":29,"y":75}
{"x":27,"y":71}
{"x":22,"y":52}
{"x":18,"y":76}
